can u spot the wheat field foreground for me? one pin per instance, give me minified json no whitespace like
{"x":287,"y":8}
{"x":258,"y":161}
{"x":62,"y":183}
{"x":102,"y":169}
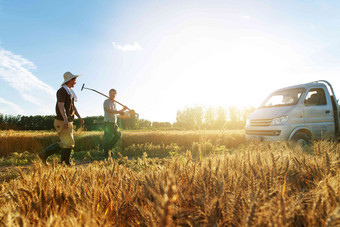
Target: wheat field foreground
{"x":255,"y":185}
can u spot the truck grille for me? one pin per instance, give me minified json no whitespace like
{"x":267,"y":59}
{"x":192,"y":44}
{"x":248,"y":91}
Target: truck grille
{"x":263,"y":132}
{"x":261,"y":122}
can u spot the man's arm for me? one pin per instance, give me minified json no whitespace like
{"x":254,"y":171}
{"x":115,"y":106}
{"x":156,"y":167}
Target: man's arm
{"x":124,"y":108}
{"x":113,"y":111}
{"x":78,"y":115}
{"x":63,"y":113}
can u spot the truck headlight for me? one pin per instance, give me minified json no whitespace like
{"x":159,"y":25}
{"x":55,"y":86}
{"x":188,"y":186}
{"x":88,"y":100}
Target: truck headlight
{"x":280,"y":120}
{"x":248,"y":122}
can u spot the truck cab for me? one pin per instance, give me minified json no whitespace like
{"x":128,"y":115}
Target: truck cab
{"x":299,"y":113}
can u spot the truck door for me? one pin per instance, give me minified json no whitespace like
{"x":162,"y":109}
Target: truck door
{"x":318,"y":114}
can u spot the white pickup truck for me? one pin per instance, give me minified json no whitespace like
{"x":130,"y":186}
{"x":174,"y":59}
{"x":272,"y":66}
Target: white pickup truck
{"x":299,"y":113}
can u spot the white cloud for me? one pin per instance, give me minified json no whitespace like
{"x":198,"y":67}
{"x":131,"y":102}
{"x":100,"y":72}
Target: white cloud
{"x":127,"y":47}
{"x":16,"y":71}
{"x":245,"y":16}
{"x":8,"y":107}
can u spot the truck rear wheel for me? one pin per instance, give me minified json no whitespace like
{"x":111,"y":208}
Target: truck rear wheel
{"x":301,"y":139}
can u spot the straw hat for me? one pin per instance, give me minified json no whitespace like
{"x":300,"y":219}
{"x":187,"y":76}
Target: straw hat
{"x":68,"y":76}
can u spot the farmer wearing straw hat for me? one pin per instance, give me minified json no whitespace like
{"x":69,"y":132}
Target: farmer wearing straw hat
{"x":111,"y":130}
{"x":63,"y":123}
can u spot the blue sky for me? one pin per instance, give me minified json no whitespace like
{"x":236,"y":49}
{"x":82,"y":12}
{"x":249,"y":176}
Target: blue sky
{"x":163,"y":56}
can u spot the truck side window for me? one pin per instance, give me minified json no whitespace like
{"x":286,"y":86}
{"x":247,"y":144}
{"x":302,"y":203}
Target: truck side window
{"x":315,"y":96}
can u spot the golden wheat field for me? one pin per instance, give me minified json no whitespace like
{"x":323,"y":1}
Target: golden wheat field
{"x":255,"y":184}
{"x":35,"y":141}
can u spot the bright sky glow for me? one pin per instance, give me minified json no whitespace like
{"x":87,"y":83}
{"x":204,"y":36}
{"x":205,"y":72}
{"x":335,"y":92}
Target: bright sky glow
{"x":163,"y":56}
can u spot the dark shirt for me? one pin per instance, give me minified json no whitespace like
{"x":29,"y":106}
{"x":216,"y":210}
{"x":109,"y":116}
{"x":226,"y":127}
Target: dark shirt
{"x":62,"y":96}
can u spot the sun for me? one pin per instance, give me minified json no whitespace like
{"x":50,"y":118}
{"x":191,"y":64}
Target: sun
{"x":215,"y":68}
{"x":209,"y":71}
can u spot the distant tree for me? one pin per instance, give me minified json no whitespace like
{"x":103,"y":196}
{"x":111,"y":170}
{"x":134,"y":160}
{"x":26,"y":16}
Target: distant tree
{"x":49,"y":122}
{"x":156,"y":124}
{"x":2,"y":122}
{"x":246,"y":112}
{"x":10,"y":122}
{"x":93,"y":123}
{"x":238,"y":116}
{"x":132,"y":123}
{"x":221,"y":118}
{"x":144,"y":124}
{"x":190,"y":118}
{"x":209,"y":118}
{"x":181,"y":119}
{"x":198,"y":116}
{"x":234,"y":114}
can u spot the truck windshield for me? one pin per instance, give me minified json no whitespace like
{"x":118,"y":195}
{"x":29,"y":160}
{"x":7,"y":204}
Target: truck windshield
{"x":287,"y":97}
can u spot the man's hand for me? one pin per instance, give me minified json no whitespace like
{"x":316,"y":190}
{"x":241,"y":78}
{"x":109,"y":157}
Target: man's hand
{"x":66,"y":124}
{"x":81,"y":121}
{"x":125,"y":108}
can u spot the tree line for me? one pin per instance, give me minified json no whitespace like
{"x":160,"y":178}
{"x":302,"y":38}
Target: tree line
{"x":190,"y":118}
{"x":212,"y":118}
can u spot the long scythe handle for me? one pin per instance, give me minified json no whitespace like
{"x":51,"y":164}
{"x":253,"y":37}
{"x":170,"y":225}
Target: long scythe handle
{"x":97,"y":92}
{"x":105,"y":96}
{"x":122,"y":105}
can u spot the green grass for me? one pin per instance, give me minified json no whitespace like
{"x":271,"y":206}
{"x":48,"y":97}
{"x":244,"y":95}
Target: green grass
{"x":134,"y":151}
{"x":137,"y":157}
{"x":16,"y":159}
{"x":6,"y":176}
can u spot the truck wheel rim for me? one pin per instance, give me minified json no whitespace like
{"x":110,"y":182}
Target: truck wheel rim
{"x":301,"y":142}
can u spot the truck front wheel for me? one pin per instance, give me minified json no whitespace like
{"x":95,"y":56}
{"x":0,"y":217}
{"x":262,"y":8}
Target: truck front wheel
{"x":302,"y":139}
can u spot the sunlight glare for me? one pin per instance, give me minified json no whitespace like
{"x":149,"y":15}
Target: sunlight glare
{"x":216,"y":68}
{"x":212,"y":71}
